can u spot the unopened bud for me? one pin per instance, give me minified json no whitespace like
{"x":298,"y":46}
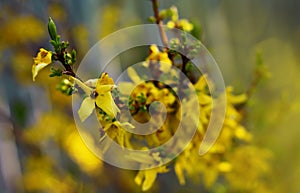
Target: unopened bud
{"x":52,"y":29}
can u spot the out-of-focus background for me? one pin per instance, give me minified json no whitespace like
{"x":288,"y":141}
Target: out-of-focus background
{"x":36,"y":119}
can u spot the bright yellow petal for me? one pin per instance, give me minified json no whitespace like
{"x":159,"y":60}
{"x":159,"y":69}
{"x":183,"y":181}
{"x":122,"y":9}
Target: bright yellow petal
{"x":201,"y":83}
{"x":43,"y":59}
{"x":133,"y":75}
{"x":235,"y":99}
{"x":204,"y":99}
{"x":105,"y":79}
{"x":165,"y":62}
{"x":139,"y":177}
{"x":107,"y":104}
{"x":224,"y":167}
{"x":102,"y":89}
{"x":154,"y":49}
{"x":36,"y":69}
{"x":86,"y":108}
{"x":126,"y":126}
{"x":171,"y":24}
{"x":150,"y":176}
{"x":125,"y":88}
{"x":185,"y":25}
{"x":80,"y":153}
{"x":104,"y":98}
{"x":179,"y":173}
{"x":174,"y":13}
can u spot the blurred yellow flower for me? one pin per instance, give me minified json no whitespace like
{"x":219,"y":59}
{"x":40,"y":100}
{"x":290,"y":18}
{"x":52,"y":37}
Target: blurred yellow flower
{"x":116,"y":131}
{"x":42,"y":60}
{"x":20,"y":29}
{"x":40,"y":175}
{"x":146,"y":178}
{"x":81,"y":154}
{"x":183,"y":24}
{"x":175,"y":22}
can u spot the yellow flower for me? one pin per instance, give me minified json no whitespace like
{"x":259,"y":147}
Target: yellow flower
{"x":179,"y":171}
{"x":146,"y":178}
{"x":183,"y":24}
{"x":102,"y":97}
{"x":80,"y":153}
{"x":116,"y":131}
{"x":42,"y":60}
{"x":175,"y":22}
{"x":161,"y":57}
{"x":235,"y":99}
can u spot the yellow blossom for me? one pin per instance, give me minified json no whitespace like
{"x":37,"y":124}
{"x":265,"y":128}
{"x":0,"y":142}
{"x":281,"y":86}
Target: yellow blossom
{"x":224,"y":167}
{"x":175,"y":22}
{"x":116,"y":131}
{"x":103,"y":98}
{"x":146,"y":178}
{"x":80,"y":153}
{"x":179,"y":173}
{"x":42,"y":60}
{"x":235,"y":99}
{"x":161,"y":57}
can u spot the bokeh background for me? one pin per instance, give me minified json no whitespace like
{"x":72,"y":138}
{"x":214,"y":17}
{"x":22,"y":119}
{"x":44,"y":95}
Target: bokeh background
{"x":38,"y":140}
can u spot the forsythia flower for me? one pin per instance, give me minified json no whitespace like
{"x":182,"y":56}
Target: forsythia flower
{"x":162,"y":57}
{"x":80,"y":153}
{"x":116,"y":131}
{"x":146,"y":178}
{"x":183,"y":24}
{"x":42,"y":60}
{"x":102,"y":97}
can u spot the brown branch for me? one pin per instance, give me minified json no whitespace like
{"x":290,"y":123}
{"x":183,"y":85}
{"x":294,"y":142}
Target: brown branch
{"x":159,"y":22}
{"x":253,"y":85}
{"x":68,"y":68}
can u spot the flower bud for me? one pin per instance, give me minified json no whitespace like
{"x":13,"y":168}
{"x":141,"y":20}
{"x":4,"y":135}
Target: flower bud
{"x":52,"y":29}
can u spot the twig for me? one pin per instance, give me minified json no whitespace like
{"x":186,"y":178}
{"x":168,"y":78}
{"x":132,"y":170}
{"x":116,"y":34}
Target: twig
{"x":68,"y":68}
{"x":253,"y":84}
{"x":159,"y":22}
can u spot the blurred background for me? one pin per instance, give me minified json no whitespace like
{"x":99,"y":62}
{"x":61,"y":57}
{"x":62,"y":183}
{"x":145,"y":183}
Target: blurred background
{"x":39,"y":142}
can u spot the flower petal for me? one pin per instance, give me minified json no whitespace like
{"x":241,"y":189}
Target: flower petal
{"x":86,"y":108}
{"x":43,"y":59}
{"x":133,"y":75}
{"x":84,"y":87}
{"x":107,"y":104}
{"x":150,"y":176}
{"x":36,"y":69}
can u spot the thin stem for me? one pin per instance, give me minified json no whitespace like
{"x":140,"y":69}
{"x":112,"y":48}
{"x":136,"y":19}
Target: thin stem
{"x":159,"y":22}
{"x":68,"y":68}
{"x":253,"y":84}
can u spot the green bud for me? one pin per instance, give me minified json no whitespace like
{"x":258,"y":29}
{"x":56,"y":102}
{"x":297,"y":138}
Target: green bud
{"x":165,"y":13}
{"x":52,"y":29}
{"x":68,"y":58}
{"x":73,"y":53}
{"x":152,"y":19}
{"x":66,"y":87}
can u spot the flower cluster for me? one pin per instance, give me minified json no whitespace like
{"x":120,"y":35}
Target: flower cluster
{"x":232,"y":153}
